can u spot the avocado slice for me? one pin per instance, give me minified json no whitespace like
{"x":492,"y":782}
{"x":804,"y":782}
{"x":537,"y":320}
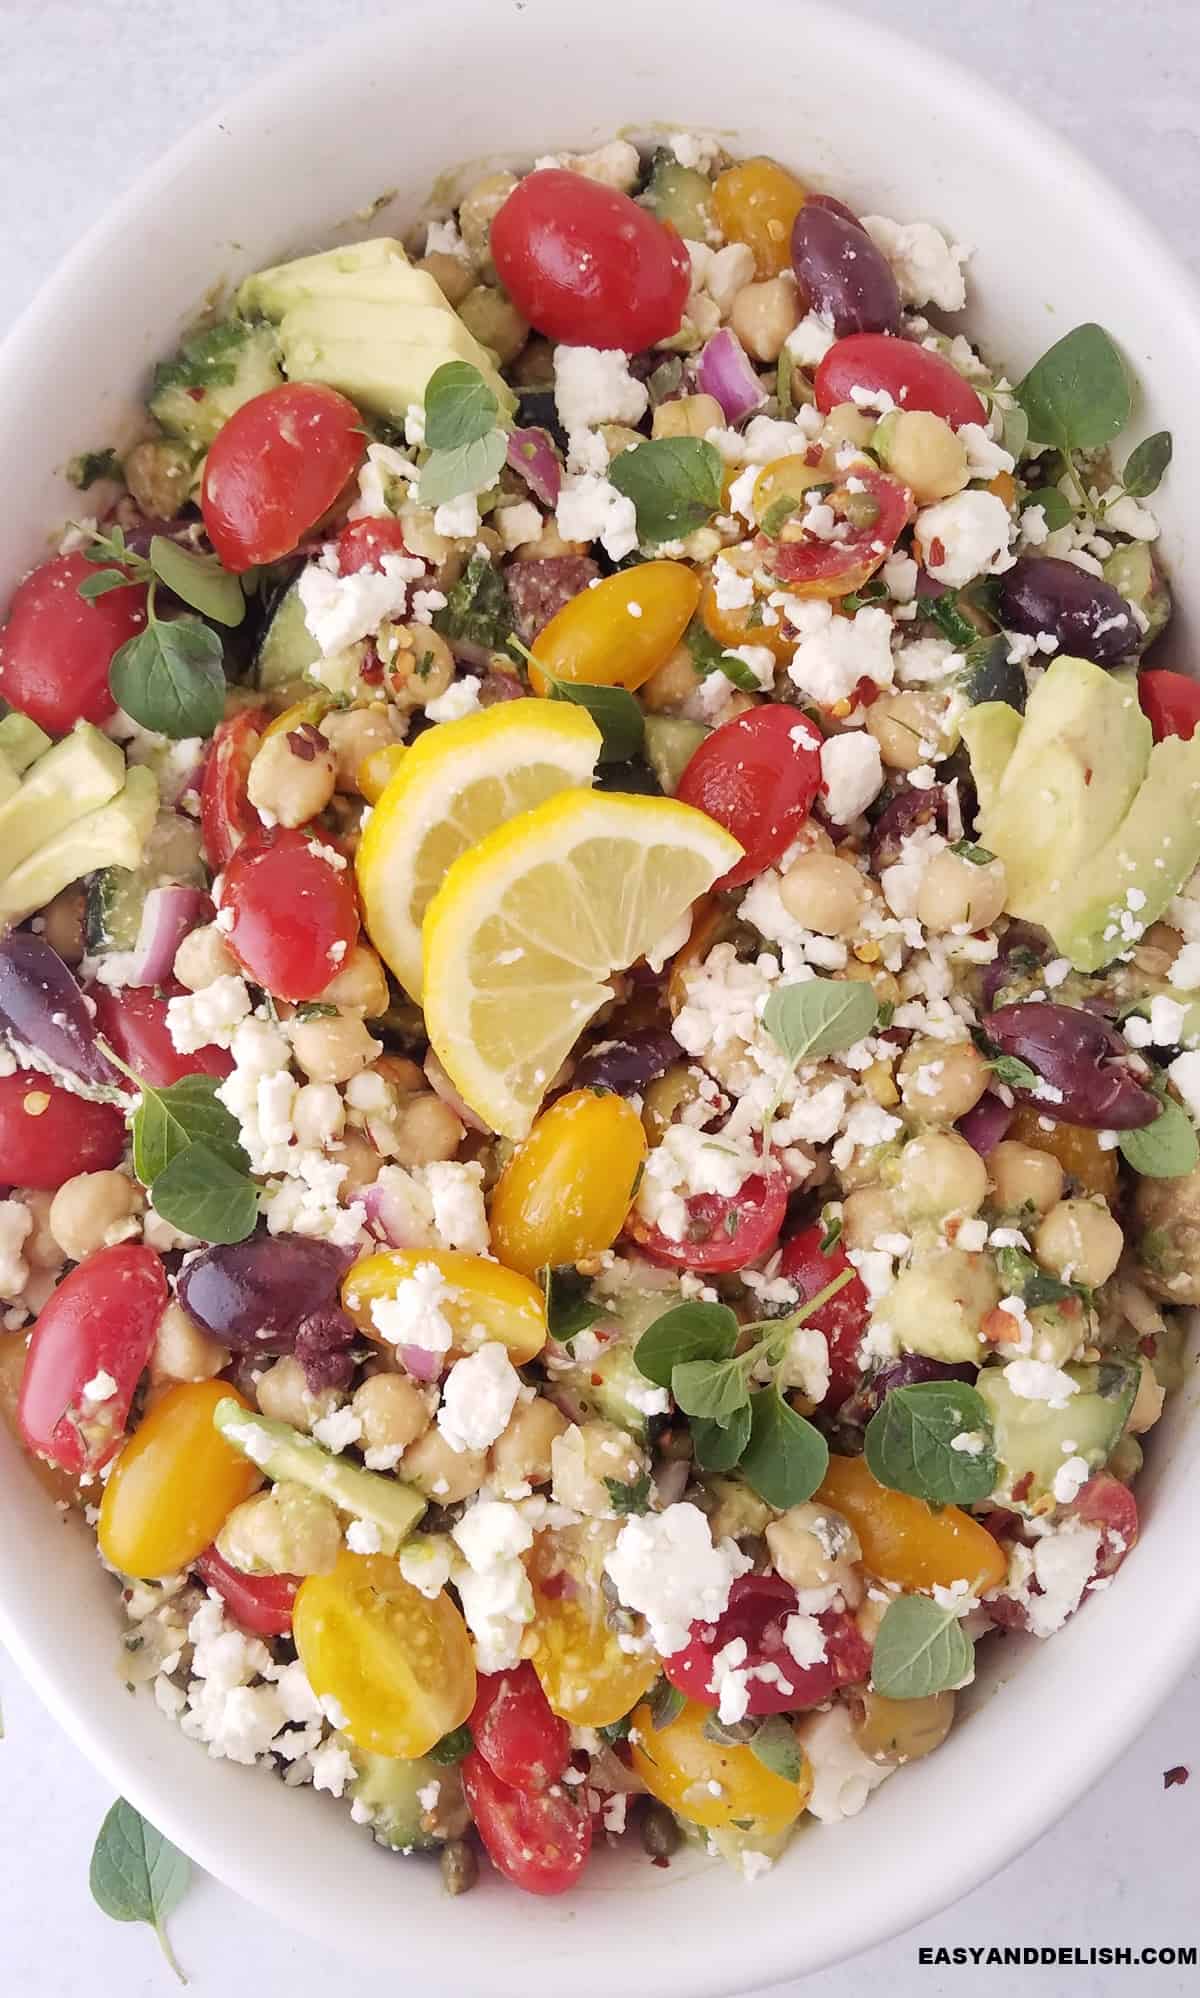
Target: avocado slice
{"x":79,"y":773}
{"x":22,"y":741}
{"x":990,"y":732}
{"x":1031,"y":1437}
{"x":387,"y":1786}
{"x":288,"y":647}
{"x":113,"y":835}
{"x":284,"y":1452}
{"x":1153,"y":851}
{"x":671,"y":742}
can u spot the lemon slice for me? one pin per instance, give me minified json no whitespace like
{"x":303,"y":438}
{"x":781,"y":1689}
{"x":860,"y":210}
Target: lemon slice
{"x":457,"y":783}
{"x":527,"y":928}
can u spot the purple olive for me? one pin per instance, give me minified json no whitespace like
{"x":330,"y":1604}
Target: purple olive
{"x":1080,"y":1059}
{"x":628,"y":1063}
{"x":1024,"y":950}
{"x":41,"y":1004}
{"x":986,"y":1123}
{"x":1041,"y":593}
{"x":253,"y":1295}
{"x":841,"y":273}
{"x":323,"y":1342}
{"x":908,"y":1371}
{"x":906,"y":813}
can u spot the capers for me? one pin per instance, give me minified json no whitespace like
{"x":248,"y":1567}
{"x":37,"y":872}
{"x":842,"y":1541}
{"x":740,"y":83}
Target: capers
{"x":660,"y":1833}
{"x":460,"y":1866}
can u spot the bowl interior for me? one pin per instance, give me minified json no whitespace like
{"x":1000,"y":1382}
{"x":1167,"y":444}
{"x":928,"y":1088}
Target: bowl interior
{"x":891,"y":129}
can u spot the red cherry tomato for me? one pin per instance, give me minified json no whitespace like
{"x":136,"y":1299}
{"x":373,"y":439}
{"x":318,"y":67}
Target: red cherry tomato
{"x":48,"y":1134}
{"x":1105,"y":1502}
{"x":1170,"y":702}
{"x":362,"y":544}
{"x":586,"y":265}
{"x":56,"y":649}
{"x":226,"y":814}
{"x":757,"y":776}
{"x":134,"y":1022}
{"x":757,"y":1618}
{"x":538,"y":1839}
{"x":723,"y":1232}
{"x":295,"y":912}
{"x":813,"y":567}
{"x":275,"y":467}
{"x":259,"y":1603}
{"x":844,"y":1319}
{"x":915,"y":377}
{"x":522,"y":1741}
{"x":100,"y":1321}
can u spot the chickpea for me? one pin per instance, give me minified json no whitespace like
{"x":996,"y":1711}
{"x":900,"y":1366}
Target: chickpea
{"x":941,"y":1080}
{"x":418,"y":662}
{"x":688,"y":416}
{"x":868,"y":1213}
{"x":159,"y":475}
{"x":1024,"y":1177}
{"x":521,"y":1456}
{"x":92,"y":1211}
{"x":902,"y":1730}
{"x":940,"y":1174}
{"x":1147,"y":1402}
{"x":675,"y":680}
{"x":620,"y":437}
{"x":762,"y":316}
{"x":362,"y":1161}
{"x":360,"y":986}
{"x":422,"y":538}
{"x":452,"y":275}
{"x":292,"y":776}
{"x":392,"y":1410}
{"x":183,"y":1350}
{"x":921,"y":449}
{"x":40,"y":1248}
{"x":494,"y":320}
{"x":549,"y":544}
{"x":478,"y":207}
{"x":427,"y":1130}
{"x":353,"y":734}
{"x":62,"y":924}
{"x":203,"y":957}
{"x":583,"y":1456}
{"x":907,"y":727}
{"x":443,"y":1474}
{"x":957,"y":893}
{"x":287,"y":1530}
{"x":1080,"y":1241}
{"x":824,"y":893}
{"x":846,"y":423}
{"x":332,"y":1050}
{"x":1156,"y":952}
{"x":284,"y":1395}
{"x":812,"y":1546}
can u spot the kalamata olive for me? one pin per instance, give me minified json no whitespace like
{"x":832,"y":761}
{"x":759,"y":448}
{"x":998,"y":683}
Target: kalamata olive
{"x":42,"y":1005}
{"x":253,"y":1295}
{"x":629,"y":1063}
{"x":1042,"y":593}
{"x":323,"y":1342}
{"x":907,"y":1371}
{"x":841,"y":273}
{"x":985,"y":1124}
{"x":1023,"y":951}
{"x":1079,"y":1057}
{"x":904,"y":815}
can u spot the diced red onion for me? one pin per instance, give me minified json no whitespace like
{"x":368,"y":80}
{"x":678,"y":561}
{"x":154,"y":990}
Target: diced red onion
{"x":531,"y":452}
{"x":724,"y":372}
{"x":420,"y":1362}
{"x":442,"y":1086}
{"x":167,"y":916}
{"x":390,"y":1220}
{"x":985,"y":1124}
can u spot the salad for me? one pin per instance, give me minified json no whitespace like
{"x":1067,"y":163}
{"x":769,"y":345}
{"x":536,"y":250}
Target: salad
{"x":600,"y":1003}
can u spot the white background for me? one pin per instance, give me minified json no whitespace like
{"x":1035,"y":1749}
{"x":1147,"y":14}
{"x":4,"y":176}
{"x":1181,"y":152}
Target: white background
{"x":89,"y":93}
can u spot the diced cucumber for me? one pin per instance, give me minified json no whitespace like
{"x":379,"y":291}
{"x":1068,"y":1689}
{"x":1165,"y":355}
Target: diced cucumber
{"x":679,"y":195}
{"x":288,"y":647}
{"x":388,"y":1787}
{"x":988,"y":674}
{"x":1032,"y":1438}
{"x":671,"y":742}
{"x":116,"y":896}
{"x":283,"y":1452}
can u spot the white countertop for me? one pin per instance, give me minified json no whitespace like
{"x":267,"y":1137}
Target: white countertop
{"x":89,"y":93}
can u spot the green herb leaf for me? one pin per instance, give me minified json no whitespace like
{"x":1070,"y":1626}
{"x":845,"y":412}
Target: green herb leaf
{"x":569,"y":1308}
{"x":100,"y":582}
{"x":1166,"y":1149}
{"x":478,"y":609}
{"x":315,"y":1009}
{"x":453,"y":1746}
{"x":717,"y":1446}
{"x":629,"y":1498}
{"x":616,"y":714}
{"x":666,"y":1704}
{"x":91,"y":466}
{"x":709,"y":656}
{"x":775,"y":1744}
{"x":873,"y":592}
{"x":198,"y":580}
{"x":468,"y":468}
{"x":1055,"y":506}
{"x":1017,"y":1074}
{"x":1145,"y":465}
{"x":686,"y":1332}
{"x":460,"y":408}
{"x":200,"y":1192}
{"x":715,"y":1389}
{"x":674,"y":483}
{"x":950,"y":621}
{"x":786,"y":1458}
{"x":666,"y":380}
{"x":1022,"y":1277}
{"x":1015,"y":429}
{"x":137,"y":1875}
{"x":729,"y":1734}
{"x":614,"y":1731}
{"x":979,"y":856}
{"x":831,"y":1224}
{"x":919,"y":1649}
{"x":183,"y":1113}
{"x":821,"y":1017}
{"x":170,"y":678}
{"x":1077,"y":396}
{"x":780,"y":512}
{"x":909,"y":1444}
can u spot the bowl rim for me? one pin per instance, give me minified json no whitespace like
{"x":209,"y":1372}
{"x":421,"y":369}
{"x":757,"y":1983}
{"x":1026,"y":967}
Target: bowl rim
{"x":1019,"y":1821}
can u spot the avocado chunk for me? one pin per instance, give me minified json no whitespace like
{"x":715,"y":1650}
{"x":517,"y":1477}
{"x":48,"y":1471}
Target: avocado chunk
{"x":215,"y":371}
{"x":288,"y":647}
{"x":671,"y":743}
{"x":113,"y":835}
{"x":116,"y":896}
{"x":79,"y":773}
{"x":679,"y":195}
{"x":388,"y":1787}
{"x":284,"y":1452}
{"x":990,"y":732}
{"x":1032,"y":1438}
{"x":367,"y":322}
{"x":21,"y":741}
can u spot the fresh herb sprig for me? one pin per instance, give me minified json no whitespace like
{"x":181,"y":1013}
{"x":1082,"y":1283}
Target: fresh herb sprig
{"x":920,"y":1648}
{"x":137,"y":1875}
{"x":615,"y":712}
{"x":465,"y":435}
{"x":188,"y":1155}
{"x":169,"y":677}
{"x":821,"y":1016}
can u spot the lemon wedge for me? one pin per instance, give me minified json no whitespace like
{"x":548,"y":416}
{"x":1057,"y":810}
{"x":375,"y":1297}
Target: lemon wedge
{"x":527,"y":928}
{"x":454,"y":785}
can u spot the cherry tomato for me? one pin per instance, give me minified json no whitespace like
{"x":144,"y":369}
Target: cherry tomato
{"x":134,"y":1022}
{"x":295,"y":912}
{"x":56,"y":649}
{"x":275,"y":467}
{"x":259,"y":1603}
{"x":904,"y":1540}
{"x":1105,"y":1502}
{"x":566,"y":1190}
{"x":757,"y":776}
{"x":522,"y":1741}
{"x":100,"y":1321}
{"x":484,"y":1301}
{"x":1171,"y":703}
{"x":48,"y":1134}
{"x":226,"y":815}
{"x":716,"y":1784}
{"x":174,"y":1484}
{"x":756,"y":202}
{"x":537,"y":1840}
{"x":596,"y":638}
{"x":723,"y":1232}
{"x":757,"y":1617}
{"x":1090,"y":1167}
{"x":399,"y":1663}
{"x":362,"y":544}
{"x":915,"y":377}
{"x":586,"y":265}
{"x":810,"y":566}
{"x":584,"y":1673}
{"x":844,"y":1319}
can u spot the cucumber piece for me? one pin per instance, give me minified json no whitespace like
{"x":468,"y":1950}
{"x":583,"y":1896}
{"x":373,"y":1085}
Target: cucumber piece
{"x":671,"y":742}
{"x":116,"y":896}
{"x":388,"y":1787}
{"x":1030,"y":1435}
{"x":679,"y":195}
{"x":215,"y":371}
{"x":988,"y":674}
{"x":283,"y":1452}
{"x":288,"y":647}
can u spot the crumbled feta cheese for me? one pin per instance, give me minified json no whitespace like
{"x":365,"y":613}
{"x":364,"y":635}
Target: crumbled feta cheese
{"x":338,"y":1430}
{"x":591,"y":509}
{"x":413,"y":1314}
{"x":964,"y":537}
{"x":479,"y":1395}
{"x":101,"y":1387}
{"x":687,"y":1162}
{"x":1184,"y":1072}
{"x":1064,"y":1562}
{"x":927,"y":268}
{"x":383,"y":463}
{"x":457,"y":519}
{"x":810,"y":341}
{"x":699,"y":154}
{"x":1070,"y":1478}
{"x":729,"y":271}
{"x":207,"y":1018}
{"x":332,"y":1768}
{"x":593,"y":385}
{"x":834,"y":653}
{"x":665,"y":1566}
{"x":16,"y":1222}
{"x":1162,"y":1027}
{"x":1185,"y":972}
{"x":842,"y":1776}
{"x":1128,"y":517}
{"x":899,"y":574}
{"x":985,"y":458}
{"x":426,"y":1561}
{"x":339,"y":610}
{"x":1039,"y":1380}
{"x":851,"y":775}
{"x":460,"y":698}
{"x":925,"y":661}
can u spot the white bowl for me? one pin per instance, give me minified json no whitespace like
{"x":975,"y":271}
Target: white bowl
{"x":891,"y":129}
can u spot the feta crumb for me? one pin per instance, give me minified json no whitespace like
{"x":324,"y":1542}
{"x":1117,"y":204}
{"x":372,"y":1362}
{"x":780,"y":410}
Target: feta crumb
{"x":478,"y":1397}
{"x":834,"y":653}
{"x":851,"y":775}
{"x":928,"y":269}
{"x":665,"y":1566}
{"x":973,"y":530}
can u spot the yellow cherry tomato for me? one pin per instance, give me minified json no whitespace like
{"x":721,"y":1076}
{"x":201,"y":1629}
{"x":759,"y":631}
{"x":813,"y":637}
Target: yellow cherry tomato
{"x":738,"y":626}
{"x":1076,"y":1147}
{"x":586,"y":1676}
{"x":399,"y":1664}
{"x":903,"y":1540}
{"x":711,"y":1783}
{"x":311,"y":709}
{"x":376,"y":771}
{"x":486,"y":1301}
{"x":566,"y":1190}
{"x":783,"y":480}
{"x":757,"y":203}
{"x":621,"y":632}
{"x":174,"y":1484}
